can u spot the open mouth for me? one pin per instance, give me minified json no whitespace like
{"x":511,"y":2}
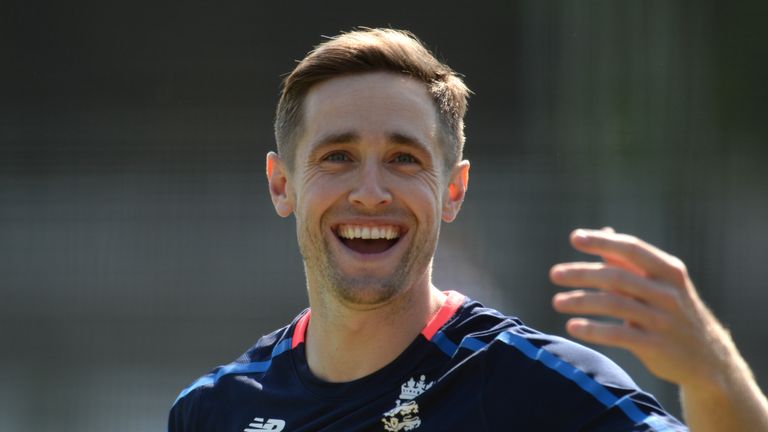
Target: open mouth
{"x":366,"y":239}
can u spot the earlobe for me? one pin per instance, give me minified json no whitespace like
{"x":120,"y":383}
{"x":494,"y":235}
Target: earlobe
{"x":277,"y":178}
{"x":457,"y":189}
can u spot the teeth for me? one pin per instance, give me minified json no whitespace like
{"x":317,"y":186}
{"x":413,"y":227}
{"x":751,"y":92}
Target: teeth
{"x":388,"y":232}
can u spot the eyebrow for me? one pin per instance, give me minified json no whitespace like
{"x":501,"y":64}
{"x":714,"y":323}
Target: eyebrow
{"x":348,"y":137}
{"x":335,"y":138}
{"x":409,"y":141}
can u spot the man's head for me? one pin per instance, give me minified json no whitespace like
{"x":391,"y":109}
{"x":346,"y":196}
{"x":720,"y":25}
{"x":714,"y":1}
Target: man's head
{"x":372,"y":50}
{"x":368,"y":173}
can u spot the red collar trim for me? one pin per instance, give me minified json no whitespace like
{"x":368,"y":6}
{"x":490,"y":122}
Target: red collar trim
{"x":453,"y":301}
{"x":300,"y":330}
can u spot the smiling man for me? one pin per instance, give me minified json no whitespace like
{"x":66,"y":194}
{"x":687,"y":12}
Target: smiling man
{"x":369,"y":133}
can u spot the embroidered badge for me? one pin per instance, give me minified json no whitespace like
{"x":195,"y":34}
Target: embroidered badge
{"x":404,"y":415}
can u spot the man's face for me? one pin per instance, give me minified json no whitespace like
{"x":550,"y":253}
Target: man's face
{"x":369,"y":187}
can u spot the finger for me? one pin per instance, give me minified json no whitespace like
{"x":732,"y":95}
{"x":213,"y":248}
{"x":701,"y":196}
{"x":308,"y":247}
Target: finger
{"x":631,"y":251}
{"x":619,"y":263}
{"x":617,"y":335}
{"x":610,"y":305}
{"x":613,"y":279}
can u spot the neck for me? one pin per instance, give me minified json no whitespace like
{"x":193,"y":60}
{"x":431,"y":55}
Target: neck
{"x":344,"y":344}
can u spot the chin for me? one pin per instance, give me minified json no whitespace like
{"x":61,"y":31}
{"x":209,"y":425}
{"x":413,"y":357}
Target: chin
{"x":367,"y":291}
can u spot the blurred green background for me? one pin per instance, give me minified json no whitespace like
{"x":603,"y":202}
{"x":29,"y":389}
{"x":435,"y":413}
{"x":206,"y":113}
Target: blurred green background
{"x":139,"y":246}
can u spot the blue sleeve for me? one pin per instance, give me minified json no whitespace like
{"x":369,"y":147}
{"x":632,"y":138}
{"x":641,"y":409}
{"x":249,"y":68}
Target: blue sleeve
{"x":556,"y":384}
{"x":654,"y":419}
{"x":622,"y":401}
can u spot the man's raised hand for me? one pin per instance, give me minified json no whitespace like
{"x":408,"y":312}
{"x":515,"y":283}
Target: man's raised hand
{"x":663,"y":322}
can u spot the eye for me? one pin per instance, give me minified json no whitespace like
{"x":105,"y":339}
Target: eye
{"x":404,"y":158}
{"x":336,"y":157}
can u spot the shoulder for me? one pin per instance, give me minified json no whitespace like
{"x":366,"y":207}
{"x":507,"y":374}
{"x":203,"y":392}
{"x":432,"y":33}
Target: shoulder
{"x":503,"y":338}
{"x":558,"y":380}
{"x":199,"y":397}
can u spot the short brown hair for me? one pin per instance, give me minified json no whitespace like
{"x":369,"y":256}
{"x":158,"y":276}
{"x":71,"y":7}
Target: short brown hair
{"x":369,"y":50}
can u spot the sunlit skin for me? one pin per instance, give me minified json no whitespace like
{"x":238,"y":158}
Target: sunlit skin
{"x":664,"y":323}
{"x":370,"y":155}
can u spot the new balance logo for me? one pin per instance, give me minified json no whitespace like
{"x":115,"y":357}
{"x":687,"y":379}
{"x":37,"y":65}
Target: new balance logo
{"x":258,"y":425}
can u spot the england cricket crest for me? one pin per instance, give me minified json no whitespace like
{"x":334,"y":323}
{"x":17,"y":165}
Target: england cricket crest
{"x":404,"y":416}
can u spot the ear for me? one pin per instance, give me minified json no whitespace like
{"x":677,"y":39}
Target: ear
{"x":457,"y":188}
{"x":277,"y":177}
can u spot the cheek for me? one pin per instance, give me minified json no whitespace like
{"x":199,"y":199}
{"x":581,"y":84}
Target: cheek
{"x":317,"y":196}
{"x":423,"y":197}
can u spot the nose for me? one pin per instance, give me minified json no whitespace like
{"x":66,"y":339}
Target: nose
{"x":370,"y":190}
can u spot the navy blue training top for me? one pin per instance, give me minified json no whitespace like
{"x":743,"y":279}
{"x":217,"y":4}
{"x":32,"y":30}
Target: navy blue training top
{"x":470,"y":369}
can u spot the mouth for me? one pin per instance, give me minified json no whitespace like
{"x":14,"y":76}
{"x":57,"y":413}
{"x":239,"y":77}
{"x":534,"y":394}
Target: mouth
{"x":369,"y":239}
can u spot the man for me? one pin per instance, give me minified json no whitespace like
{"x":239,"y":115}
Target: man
{"x":369,"y":132}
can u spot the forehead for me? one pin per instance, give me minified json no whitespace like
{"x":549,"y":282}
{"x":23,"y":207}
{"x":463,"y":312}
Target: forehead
{"x":372,"y":106}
